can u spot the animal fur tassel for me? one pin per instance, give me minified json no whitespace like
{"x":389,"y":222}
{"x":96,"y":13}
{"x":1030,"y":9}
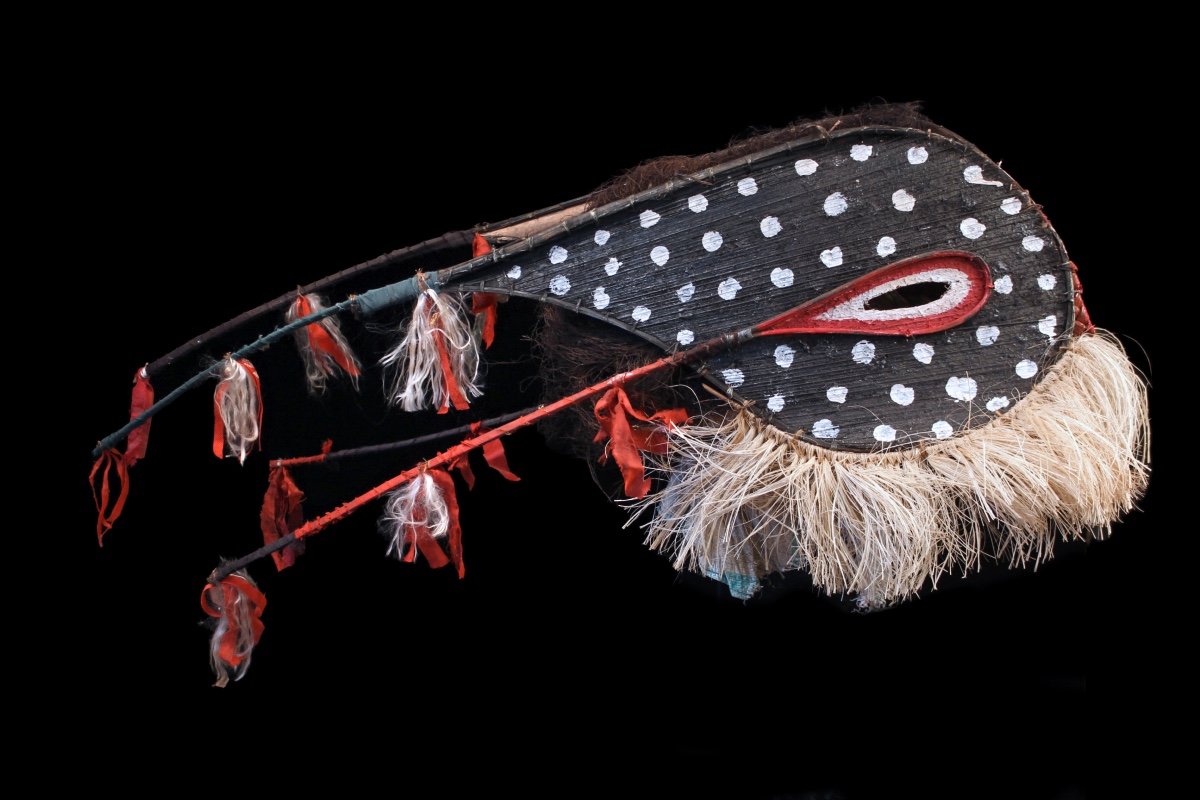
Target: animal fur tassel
{"x":322,"y":346}
{"x":421,"y":513}
{"x":745,"y":500}
{"x":236,"y":606}
{"x":436,"y":364}
{"x":237,"y":409}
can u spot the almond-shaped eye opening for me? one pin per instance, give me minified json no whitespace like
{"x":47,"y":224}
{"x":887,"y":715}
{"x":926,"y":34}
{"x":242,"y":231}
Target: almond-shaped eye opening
{"x":913,"y":296}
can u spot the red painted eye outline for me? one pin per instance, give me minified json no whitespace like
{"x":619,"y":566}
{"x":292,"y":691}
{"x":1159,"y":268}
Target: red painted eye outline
{"x":967,"y":281}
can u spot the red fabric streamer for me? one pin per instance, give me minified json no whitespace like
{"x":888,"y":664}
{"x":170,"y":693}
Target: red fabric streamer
{"x":321,"y":342}
{"x":613,"y":412}
{"x":230,"y":588}
{"x":484,"y":303}
{"x":493,"y":455}
{"x":446,"y":484}
{"x":139,"y":437}
{"x":218,"y":423}
{"x":454,"y":394}
{"x":282,"y":512}
{"x":105,"y":516}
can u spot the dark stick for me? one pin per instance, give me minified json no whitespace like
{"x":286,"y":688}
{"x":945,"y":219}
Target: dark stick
{"x":444,"y":242}
{"x":373,"y":449}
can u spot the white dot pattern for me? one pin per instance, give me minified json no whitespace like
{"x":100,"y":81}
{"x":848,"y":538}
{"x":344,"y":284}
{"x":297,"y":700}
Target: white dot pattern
{"x":660,"y":255}
{"x":923,"y":352}
{"x":558,"y":254}
{"x":697,"y":203}
{"x":806,"y":166}
{"x":775,"y":403}
{"x":1026,"y":369}
{"x":903,"y":201}
{"x":640,"y":314}
{"x":987,"y":335}
{"x":770,"y":226}
{"x":836,"y":394}
{"x":600,"y":299}
{"x":1047,"y":282}
{"x":832,"y":257}
{"x":863,"y":352}
{"x":861,"y":152}
{"x":962,"y":389}
{"x":733,"y":377}
{"x":886,"y":247}
{"x":728,"y":288}
{"x":712,"y":241}
{"x":649,"y":218}
{"x":917,"y":155}
{"x":685,"y":337}
{"x":747,"y":187}
{"x":782,"y":277}
{"x":1033,"y":244}
{"x":972,"y":228}
{"x":784,"y":356}
{"x":942,"y":429}
{"x":885,"y":433}
{"x":559,"y":285}
{"x":836,"y":204}
{"x":1003,"y":285}
{"x":825,"y":429}
{"x":686,"y":292}
{"x":601,"y":237}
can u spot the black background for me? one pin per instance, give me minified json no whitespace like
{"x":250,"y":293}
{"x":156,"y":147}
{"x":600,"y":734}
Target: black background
{"x":568,"y":646}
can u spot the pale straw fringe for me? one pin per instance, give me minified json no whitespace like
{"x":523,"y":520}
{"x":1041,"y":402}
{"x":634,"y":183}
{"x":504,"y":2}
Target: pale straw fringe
{"x":1068,"y":460}
{"x":320,"y":367}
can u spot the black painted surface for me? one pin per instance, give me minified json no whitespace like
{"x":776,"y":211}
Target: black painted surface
{"x":576,"y":270}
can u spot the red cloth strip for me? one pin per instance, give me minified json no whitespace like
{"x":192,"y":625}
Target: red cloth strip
{"x":106,"y":517}
{"x":494,"y":455}
{"x":282,"y":512}
{"x":139,"y":437}
{"x":484,"y":303}
{"x":446,"y":484}
{"x":454,"y":394}
{"x":613,"y":412}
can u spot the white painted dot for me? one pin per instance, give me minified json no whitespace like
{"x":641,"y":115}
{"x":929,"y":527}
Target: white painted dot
{"x":863,"y":352}
{"x":825,"y":429}
{"x":806,"y":166}
{"x":1003,"y":285}
{"x":972,"y":228}
{"x":612,"y":266}
{"x":733,"y":377}
{"x":784,"y":355}
{"x":1033,"y":244}
{"x":963,"y":389}
{"x":902,"y":395}
{"x":685,"y":292}
{"x":997,"y":403}
{"x":782,"y":277}
{"x":601,"y":237}
{"x":885,"y":433}
{"x":649,"y":218}
{"x":835,"y":204}
{"x":747,"y":187}
{"x":514,"y":273}
{"x":728,"y":288}
{"x":886,"y":246}
{"x":659,"y":255}
{"x":974,"y":174}
{"x":1026,"y":368}
{"x":1010,"y":205}
{"x":775,"y":403}
{"x":917,"y":155}
{"x":770,"y":226}
{"x":923,"y":352}
{"x":832,"y":257}
{"x":1047,"y":282}
{"x":861,"y":152}
{"x":1047,"y":325}
{"x":640,"y":314}
{"x":600,"y":299}
{"x":942,"y":429}
{"x":685,"y":337}
{"x":902,"y":200}
{"x":712,"y":241}
{"x":558,"y":254}
{"x":697,"y":203}
{"x":560,"y":285}
{"x":987,"y":335}
{"x":836,"y":394}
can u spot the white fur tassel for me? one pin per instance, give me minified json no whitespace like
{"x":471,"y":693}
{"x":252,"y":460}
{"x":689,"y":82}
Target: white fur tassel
{"x":417,"y":504}
{"x":238,"y":406}
{"x":322,"y":345}
{"x":236,"y":606}
{"x":419,"y":381}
